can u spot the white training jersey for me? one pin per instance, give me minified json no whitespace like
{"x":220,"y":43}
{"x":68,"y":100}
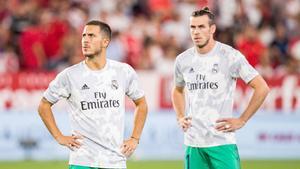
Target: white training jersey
{"x":97,"y":104}
{"x":209,"y":82}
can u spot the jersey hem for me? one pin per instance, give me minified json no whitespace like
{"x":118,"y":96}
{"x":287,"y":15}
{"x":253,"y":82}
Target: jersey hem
{"x":209,"y":145}
{"x":97,"y":166}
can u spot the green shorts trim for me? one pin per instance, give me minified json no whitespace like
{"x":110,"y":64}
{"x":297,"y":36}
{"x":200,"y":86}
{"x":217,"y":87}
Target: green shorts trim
{"x":84,"y":167}
{"x":218,"y":157}
{"x":80,"y":167}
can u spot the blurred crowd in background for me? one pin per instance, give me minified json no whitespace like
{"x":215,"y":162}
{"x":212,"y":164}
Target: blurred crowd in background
{"x":45,"y":35}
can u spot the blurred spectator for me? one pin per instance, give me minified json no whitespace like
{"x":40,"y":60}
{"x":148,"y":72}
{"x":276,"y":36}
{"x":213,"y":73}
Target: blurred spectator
{"x":77,"y":16}
{"x":133,"y":42}
{"x":295,"y":49}
{"x":167,"y":60}
{"x":161,"y":7}
{"x":70,"y":51}
{"x":23,"y":15}
{"x":266,"y":33}
{"x":118,"y":21}
{"x":225,"y":36}
{"x":292,"y":65}
{"x":265,"y":66}
{"x":116,"y":49}
{"x":9,"y":61}
{"x":54,"y":31}
{"x":174,"y":27}
{"x":250,"y":45}
{"x":5,"y":37}
{"x":32,"y":48}
{"x":291,"y":9}
{"x":43,"y":34}
{"x":3,"y":11}
{"x":226,"y":12}
{"x":253,"y":13}
{"x":280,"y":45}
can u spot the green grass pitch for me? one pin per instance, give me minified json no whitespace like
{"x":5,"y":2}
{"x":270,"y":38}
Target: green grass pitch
{"x":257,"y":164}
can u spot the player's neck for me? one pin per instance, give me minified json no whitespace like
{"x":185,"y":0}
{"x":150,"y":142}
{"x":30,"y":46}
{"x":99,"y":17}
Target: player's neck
{"x":97,"y":62}
{"x":206,"y":49}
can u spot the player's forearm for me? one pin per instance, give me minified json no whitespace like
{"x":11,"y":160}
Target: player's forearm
{"x":258,"y":97}
{"x":140,"y":115}
{"x":178,"y":101}
{"x":46,"y":115}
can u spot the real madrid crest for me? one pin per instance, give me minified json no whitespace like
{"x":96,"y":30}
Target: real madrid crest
{"x":114,"y":84}
{"x":215,"y":68}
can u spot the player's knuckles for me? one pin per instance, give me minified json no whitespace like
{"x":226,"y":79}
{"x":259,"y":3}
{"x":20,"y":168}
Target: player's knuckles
{"x":187,"y":121}
{"x":76,"y":145}
{"x":222,"y":129}
{"x":77,"y":142}
{"x":126,"y":149}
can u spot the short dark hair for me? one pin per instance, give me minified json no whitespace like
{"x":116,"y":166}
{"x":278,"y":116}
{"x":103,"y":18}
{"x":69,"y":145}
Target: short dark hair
{"x":104,"y":27}
{"x":205,"y":11}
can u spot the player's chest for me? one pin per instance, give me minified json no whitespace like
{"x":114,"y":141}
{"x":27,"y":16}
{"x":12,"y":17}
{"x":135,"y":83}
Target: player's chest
{"x":100,"y":86}
{"x":205,"y":71}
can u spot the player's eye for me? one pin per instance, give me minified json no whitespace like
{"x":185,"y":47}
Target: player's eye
{"x":91,"y":35}
{"x":193,"y":27}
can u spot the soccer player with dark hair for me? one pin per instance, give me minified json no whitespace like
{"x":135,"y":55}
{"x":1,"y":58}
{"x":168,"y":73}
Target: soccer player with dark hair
{"x":206,"y":74}
{"x":95,"y":90}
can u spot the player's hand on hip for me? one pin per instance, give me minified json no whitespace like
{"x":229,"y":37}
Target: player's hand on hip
{"x":69,"y":141}
{"x":229,"y":124}
{"x":129,"y":146}
{"x":185,"y":123}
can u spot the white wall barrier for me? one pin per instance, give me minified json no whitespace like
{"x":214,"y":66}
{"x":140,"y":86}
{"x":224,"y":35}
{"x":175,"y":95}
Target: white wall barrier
{"x":266,"y":136}
{"x":270,"y":136}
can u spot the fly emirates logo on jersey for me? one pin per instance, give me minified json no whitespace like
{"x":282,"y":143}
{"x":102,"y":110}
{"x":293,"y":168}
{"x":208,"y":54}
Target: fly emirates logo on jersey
{"x":100,"y":102}
{"x":201,"y":83}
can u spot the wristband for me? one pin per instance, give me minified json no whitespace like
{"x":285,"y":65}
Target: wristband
{"x":137,"y":139}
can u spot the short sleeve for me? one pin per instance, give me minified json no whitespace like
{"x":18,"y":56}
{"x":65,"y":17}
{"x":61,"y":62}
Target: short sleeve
{"x":242,"y":69}
{"x":133,"y":89}
{"x":178,"y":76}
{"x":58,"y":89}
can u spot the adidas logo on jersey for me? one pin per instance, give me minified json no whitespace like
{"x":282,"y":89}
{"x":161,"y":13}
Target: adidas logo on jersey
{"x":85,"y":87}
{"x":191,"y":70}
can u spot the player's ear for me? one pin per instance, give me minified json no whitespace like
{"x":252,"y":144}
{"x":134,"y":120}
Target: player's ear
{"x":213,"y":28}
{"x":105,"y":42}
